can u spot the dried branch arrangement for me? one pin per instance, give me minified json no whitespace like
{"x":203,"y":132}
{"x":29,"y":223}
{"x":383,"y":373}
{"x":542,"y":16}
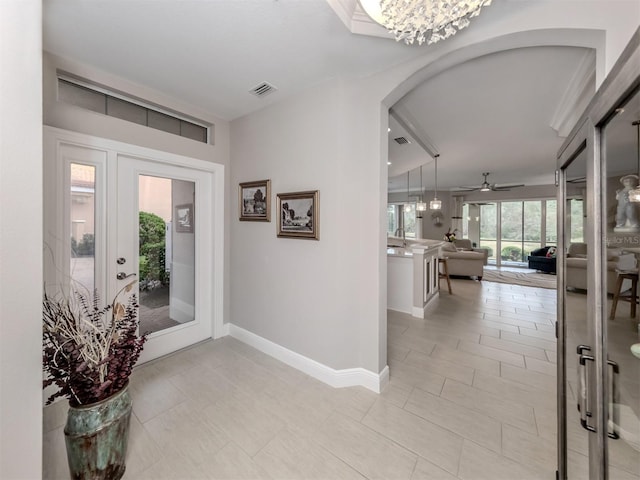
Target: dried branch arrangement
{"x":89,"y":351}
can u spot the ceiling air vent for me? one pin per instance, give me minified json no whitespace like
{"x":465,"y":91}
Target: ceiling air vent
{"x":263,"y":89}
{"x":401,"y":141}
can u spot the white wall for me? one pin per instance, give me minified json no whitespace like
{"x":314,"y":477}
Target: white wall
{"x":20,"y":240}
{"x":317,"y":298}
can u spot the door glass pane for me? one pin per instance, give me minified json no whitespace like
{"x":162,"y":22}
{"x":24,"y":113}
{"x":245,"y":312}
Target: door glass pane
{"x":577,"y":332}
{"x":392,"y":220}
{"x":532,"y":224}
{"x":622,"y":161}
{"x":167,"y":252}
{"x":511,"y":224}
{"x":551,"y":223}
{"x":82,"y":215}
{"x":410,"y":220}
{"x":577,"y":218}
{"x":488,"y":229}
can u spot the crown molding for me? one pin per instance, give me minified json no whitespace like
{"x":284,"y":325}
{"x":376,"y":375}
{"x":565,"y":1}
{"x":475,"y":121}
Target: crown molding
{"x":577,"y":95}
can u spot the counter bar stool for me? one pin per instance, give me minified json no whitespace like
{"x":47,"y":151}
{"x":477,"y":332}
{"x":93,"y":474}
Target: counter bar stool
{"x":444,"y":272}
{"x":632,"y":297}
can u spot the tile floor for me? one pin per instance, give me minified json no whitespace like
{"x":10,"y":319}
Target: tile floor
{"x":471,"y":396}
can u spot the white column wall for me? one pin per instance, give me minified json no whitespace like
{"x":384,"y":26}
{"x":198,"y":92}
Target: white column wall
{"x":20,"y":240}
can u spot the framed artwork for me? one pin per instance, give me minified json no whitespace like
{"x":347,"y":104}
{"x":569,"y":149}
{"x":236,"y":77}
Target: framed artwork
{"x":254,"y":201}
{"x":184,"y":218}
{"x":298,"y":215}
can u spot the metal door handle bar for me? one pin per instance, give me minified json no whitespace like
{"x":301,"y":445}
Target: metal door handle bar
{"x":122,"y":275}
{"x":583,"y":387}
{"x":614,"y":409}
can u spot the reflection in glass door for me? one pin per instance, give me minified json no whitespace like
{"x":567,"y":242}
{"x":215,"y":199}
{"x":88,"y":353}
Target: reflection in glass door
{"x":166,"y":258}
{"x":621,"y":145}
{"x":574,"y":332}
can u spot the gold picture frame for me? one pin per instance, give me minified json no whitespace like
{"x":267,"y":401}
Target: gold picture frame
{"x":254,"y":201}
{"x":299,"y":215}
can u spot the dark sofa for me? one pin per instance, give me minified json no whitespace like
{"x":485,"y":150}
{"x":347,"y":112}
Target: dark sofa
{"x":538,"y":260}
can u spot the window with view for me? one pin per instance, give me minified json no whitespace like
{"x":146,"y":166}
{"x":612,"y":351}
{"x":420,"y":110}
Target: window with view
{"x":401,"y":216}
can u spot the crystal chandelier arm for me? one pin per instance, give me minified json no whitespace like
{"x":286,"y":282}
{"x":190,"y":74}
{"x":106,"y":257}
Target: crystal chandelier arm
{"x":423,"y":20}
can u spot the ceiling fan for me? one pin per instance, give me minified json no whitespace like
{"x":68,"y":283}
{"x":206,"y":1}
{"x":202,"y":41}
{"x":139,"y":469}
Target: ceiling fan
{"x":487,"y":187}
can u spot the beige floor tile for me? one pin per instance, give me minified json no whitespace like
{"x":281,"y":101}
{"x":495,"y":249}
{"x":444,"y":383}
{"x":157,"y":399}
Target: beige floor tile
{"x":460,"y":420}
{"x":55,"y":415}
{"x":530,"y":377}
{"x":428,"y":471}
{"x":207,"y":410}
{"x":513,"y":391}
{"x":54,"y":455}
{"x":202,"y":386}
{"x":290,"y":455}
{"x":511,"y":322}
{"x":545,"y":327}
{"x":397,"y":352}
{"x":541,"y":366}
{"x":466,"y":359}
{"x":153,"y":395}
{"x":478,"y":463}
{"x":184,"y":431}
{"x":395,"y":395}
{"x":442,"y":367}
{"x":432,"y":442}
{"x":368,"y":452}
{"x":492,"y":353}
{"x":245,"y":421}
{"x":494,"y":406}
{"x":546,"y":422}
{"x":514,"y":347}
{"x":419,"y":344}
{"x":541,"y":343}
{"x":142,"y":451}
{"x":408,"y":375}
{"x":532,"y":450}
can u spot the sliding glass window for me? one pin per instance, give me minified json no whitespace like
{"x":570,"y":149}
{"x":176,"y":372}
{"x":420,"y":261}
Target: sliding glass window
{"x":511,"y":230}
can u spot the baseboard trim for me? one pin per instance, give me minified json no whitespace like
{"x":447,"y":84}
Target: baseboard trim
{"x":348,"y":377}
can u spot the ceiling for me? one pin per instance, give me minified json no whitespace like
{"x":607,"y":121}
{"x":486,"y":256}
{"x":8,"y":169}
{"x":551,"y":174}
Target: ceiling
{"x":489,"y":114}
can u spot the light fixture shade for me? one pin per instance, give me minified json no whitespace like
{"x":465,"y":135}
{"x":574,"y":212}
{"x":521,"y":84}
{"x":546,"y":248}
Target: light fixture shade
{"x":407,"y":207}
{"x":423,"y":20}
{"x":485,"y":189}
{"x":421,"y":206}
{"x":435,"y":204}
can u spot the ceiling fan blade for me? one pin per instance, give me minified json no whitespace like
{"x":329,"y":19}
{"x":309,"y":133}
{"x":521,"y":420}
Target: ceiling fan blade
{"x":505,"y":187}
{"x":467,"y":189}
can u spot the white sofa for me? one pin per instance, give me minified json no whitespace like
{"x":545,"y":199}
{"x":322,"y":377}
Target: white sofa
{"x":576,"y":271}
{"x":466,"y":263}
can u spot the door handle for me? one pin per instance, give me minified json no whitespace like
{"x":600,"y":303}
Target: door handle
{"x":583,"y":387}
{"x":614,"y":405}
{"x":122,"y":275}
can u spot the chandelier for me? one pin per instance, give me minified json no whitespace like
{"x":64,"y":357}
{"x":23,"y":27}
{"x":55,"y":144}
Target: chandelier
{"x":423,"y":20}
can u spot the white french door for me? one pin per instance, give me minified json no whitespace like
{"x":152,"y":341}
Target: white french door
{"x":116,"y":213}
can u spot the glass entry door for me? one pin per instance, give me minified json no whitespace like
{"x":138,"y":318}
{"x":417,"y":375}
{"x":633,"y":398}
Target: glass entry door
{"x":598,"y":254}
{"x":113,"y":218}
{"x":621,"y":217}
{"x":574,"y":320}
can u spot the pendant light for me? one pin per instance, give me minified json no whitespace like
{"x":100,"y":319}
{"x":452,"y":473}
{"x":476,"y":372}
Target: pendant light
{"x":634,"y":195}
{"x":421,"y":206}
{"x":436,"y":204}
{"x":407,"y":206}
